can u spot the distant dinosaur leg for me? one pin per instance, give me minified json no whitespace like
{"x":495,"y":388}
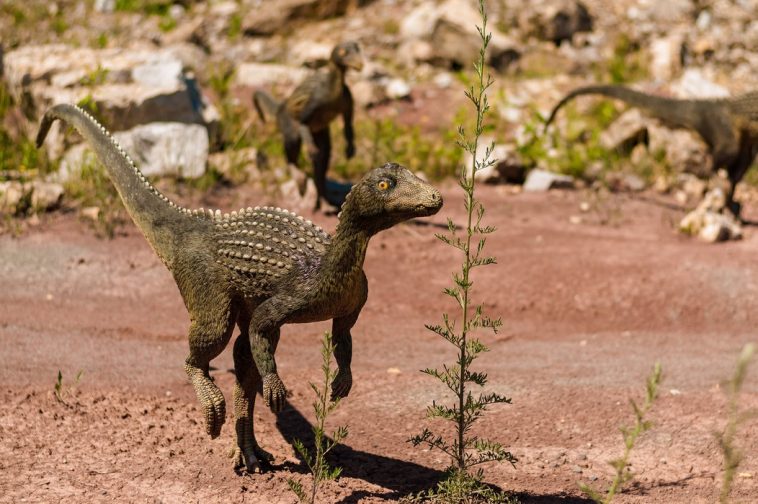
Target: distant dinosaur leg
{"x":209,"y":333}
{"x":247,"y":454}
{"x":736,"y":172}
{"x":292,"y":138}
{"x":320,"y":162}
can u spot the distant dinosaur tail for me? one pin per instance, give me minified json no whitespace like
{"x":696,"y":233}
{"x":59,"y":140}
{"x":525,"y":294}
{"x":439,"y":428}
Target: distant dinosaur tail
{"x":153,"y":213}
{"x":666,"y":109}
{"x":265,"y":104}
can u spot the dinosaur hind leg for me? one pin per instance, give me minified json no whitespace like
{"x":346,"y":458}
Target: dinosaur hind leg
{"x":320,"y":160}
{"x":247,"y":453}
{"x":209,"y":334}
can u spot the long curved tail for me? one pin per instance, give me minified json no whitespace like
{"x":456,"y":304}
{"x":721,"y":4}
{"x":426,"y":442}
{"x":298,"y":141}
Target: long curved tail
{"x":671,"y":110}
{"x":159,"y":219}
{"x":265,"y":104}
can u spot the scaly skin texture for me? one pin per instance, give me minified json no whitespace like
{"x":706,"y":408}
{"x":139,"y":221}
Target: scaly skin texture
{"x":729,"y":126}
{"x":305,"y":115}
{"x":258,"y":268}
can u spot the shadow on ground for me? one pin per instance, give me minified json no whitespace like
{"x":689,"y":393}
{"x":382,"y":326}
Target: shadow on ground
{"x":402,"y":478}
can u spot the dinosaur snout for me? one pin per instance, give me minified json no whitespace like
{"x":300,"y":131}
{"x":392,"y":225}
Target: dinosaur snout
{"x":431,"y":204}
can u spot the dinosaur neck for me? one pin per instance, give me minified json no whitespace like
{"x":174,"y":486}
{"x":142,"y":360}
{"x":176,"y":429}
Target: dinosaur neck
{"x":347,"y":251}
{"x":337,"y":73}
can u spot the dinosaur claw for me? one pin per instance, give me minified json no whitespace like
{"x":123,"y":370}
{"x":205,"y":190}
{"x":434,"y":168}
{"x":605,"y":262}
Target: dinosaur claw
{"x":341,"y":384}
{"x":274,"y":393}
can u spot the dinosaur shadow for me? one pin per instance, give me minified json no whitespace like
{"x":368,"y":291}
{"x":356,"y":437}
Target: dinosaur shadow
{"x":399,"y":476}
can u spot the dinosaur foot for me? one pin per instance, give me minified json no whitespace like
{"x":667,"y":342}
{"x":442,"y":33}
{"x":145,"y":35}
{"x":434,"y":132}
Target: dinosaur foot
{"x":252,"y":459}
{"x":274,"y":393}
{"x":342,"y":384}
{"x":211,"y":400}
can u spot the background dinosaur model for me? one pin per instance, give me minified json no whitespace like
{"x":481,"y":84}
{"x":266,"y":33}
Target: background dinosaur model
{"x":729,"y":126}
{"x":258,"y":268}
{"x":305,"y":115}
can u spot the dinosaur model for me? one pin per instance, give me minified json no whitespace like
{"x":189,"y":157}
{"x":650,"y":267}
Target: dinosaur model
{"x":729,"y":126}
{"x":258,"y":268}
{"x":305,"y":115}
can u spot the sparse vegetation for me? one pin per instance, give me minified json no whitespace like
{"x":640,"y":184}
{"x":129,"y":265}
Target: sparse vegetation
{"x":641,"y":425}
{"x":467,"y":450}
{"x":60,"y":390}
{"x":322,"y":407}
{"x":733,"y":456}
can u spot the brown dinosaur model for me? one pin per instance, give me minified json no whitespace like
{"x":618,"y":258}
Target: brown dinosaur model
{"x":729,"y":126}
{"x":258,"y":268}
{"x":305,"y":115}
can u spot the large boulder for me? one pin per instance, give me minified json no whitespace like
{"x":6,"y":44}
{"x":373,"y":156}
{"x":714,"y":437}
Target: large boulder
{"x":125,"y":87}
{"x":508,"y":167}
{"x":158,"y":149}
{"x":555,"y":21}
{"x":445,"y":35}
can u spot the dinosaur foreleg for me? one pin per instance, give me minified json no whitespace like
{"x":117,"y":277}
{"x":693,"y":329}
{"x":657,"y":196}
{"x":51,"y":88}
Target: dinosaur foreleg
{"x":207,"y":338}
{"x":320,"y":160}
{"x":247,"y":453}
{"x":264,"y":337}
{"x":343,"y":347}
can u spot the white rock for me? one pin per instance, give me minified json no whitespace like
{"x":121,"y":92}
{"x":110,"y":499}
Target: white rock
{"x":541,"y":180}
{"x":159,"y":73}
{"x":105,"y":5}
{"x":11,"y":194}
{"x":265,"y":74}
{"x":508,"y":166}
{"x":693,"y":84}
{"x":626,"y":131}
{"x":711,"y":221}
{"x":397,"y":89}
{"x":46,"y":195}
{"x":666,"y":55}
{"x":157,"y":148}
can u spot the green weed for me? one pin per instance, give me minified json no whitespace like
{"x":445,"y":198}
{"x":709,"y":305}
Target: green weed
{"x":466,"y":450}
{"x":322,"y":407}
{"x":641,"y":425}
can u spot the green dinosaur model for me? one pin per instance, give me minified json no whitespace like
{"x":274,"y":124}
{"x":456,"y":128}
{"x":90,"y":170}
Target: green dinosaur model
{"x":305,"y":115}
{"x":258,"y":268}
{"x":729,"y":126}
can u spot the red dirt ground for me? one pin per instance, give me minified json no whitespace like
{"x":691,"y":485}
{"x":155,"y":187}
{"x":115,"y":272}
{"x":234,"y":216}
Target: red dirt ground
{"x":588,"y":308}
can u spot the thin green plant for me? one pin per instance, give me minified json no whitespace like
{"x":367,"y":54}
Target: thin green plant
{"x":641,"y":425}
{"x":323,"y":406}
{"x":60,"y":389}
{"x":732,"y":454}
{"x":467,"y":450}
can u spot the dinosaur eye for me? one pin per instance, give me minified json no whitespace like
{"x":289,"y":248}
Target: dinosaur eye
{"x":383,"y":185}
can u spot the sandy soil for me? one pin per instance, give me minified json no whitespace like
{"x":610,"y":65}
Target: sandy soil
{"x":588,"y":308}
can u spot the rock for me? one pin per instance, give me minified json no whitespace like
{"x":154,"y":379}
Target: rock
{"x":509,"y":168}
{"x":91,"y":213}
{"x":46,"y":195}
{"x":299,"y":192}
{"x":711,"y":221}
{"x":12,"y":194}
{"x":445,"y":35}
{"x":629,"y":182}
{"x":541,"y":180}
{"x":692,"y":186}
{"x":397,"y":89}
{"x":106,"y":6}
{"x":127,"y":87}
{"x":693,"y":84}
{"x":685,"y":151}
{"x":160,"y":149}
{"x":238,"y":166}
{"x":626,"y":131}
{"x":555,"y":21}
{"x":368,"y":93}
{"x":270,"y":17}
{"x":263,"y":75}
{"x":666,"y":55}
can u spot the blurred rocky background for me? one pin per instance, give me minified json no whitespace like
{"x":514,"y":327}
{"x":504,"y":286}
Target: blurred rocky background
{"x":173,"y":81}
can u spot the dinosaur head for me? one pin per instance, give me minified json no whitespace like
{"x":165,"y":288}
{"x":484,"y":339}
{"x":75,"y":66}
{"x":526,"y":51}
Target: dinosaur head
{"x":348,"y":55}
{"x":387,"y":196}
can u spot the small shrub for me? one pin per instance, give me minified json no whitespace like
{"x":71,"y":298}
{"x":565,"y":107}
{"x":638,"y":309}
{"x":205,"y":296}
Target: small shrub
{"x":467,"y":450}
{"x":732,"y":454}
{"x":641,"y":425}
{"x":322,"y":407}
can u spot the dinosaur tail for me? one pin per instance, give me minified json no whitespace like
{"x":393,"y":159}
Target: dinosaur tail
{"x":265,"y":104}
{"x":158,"y":218}
{"x":666,"y":109}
